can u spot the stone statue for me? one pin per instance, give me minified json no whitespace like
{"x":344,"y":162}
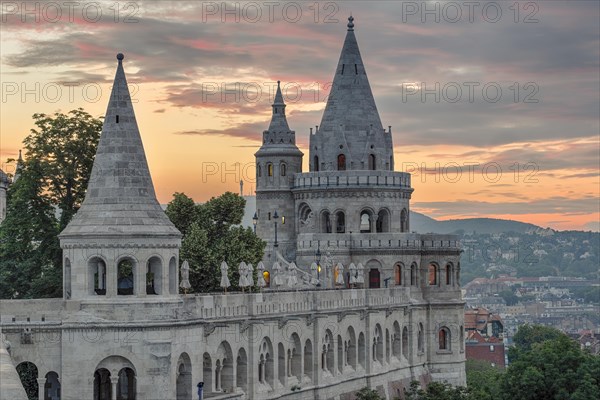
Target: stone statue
{"x":224,"y":278}
{"x":185,"y":276}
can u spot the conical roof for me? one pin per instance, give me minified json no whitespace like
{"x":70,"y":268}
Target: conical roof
{"x":350,"y":102}
{"x":120,"y":198}
{"x":351,"y":135}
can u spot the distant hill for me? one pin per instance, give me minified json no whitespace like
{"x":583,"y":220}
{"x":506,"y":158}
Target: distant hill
{"x":423,"y":224}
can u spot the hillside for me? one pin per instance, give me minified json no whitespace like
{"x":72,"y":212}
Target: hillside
{"x":423,"y":224}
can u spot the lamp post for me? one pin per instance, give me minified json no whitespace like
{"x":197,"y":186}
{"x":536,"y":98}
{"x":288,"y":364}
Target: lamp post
{"x":276,"y":217}
{"x":255,"y":221}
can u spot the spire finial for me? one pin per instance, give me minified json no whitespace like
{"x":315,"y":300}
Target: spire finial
{"x":350,"y":23}
{"x":120,"y":57}
{"x":278,"y":83}
{"x":20,"y":156}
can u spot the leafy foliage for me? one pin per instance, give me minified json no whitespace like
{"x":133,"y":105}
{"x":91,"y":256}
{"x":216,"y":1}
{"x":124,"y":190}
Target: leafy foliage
{"x":28,"y":373}
{"x":211,"y":235}
{"x":483,"y":380}
{"x":60,"y":155}
{"x":368,"y":394}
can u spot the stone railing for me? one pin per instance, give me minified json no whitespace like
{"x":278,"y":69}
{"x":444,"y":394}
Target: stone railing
{"x":351,"y":179}
{"x":196,"y":308}
{"x":365,"y":241}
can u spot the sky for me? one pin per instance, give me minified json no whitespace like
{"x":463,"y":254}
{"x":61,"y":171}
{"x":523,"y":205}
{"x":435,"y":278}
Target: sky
{"x":494,"y":106}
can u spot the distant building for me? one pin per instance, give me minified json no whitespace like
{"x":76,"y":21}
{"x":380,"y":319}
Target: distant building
{"x":484,"y":322}
{"x":489,"y":349}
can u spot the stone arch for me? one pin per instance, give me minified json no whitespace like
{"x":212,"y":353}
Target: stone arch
{"x":173,"y":276}
{"x":340,"y":222}
{"x":405,"y":342}
{"x":404,"y":220}
{"x":388,"y":346}
{"x":28,"y":374}
{"x":295,"y":368}
{"x":383,"y":221}
{"x":448,"y":274}
{"x":242,"y":370}
{"x":269,"y":169}
{"x":126,"y":276}
{"x":266,"y":364}
{"x":420,"y":338}
{"x":102,"y":384}
{"x":224,"y":378}
{"x":361,"y":350}
{"x":327,"y":361}
{"x":366,"y":221}
{"x":97,"y":275}
{"x":444,"y":339}
{"x":414,"y":275}
{"x":458,"y":274}
{"x":126,"y":385}
{"x":351,"y":353}
{"x":398,"y":274}
{"x":183,"y":381}
{"x":67,"y":280}
{"x":377,"y":345}
{"x":283,"y":169}
{"x":308,"y":360}
{"x":326,"y":221}
{"x":52,"y":386}
{"x":207,"y":374}
{"x":433,"y":272}
{"x":397,"y":341}
{"x":154,"y":274}
{"x":372,"y":162}
{"x":341,"y":162}
{"x":341,"y":358}
{"x":281,"y":363}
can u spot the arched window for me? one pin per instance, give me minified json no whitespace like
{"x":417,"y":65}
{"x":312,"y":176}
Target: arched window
{"x":420,"y":339}
{"x":258,"y":170}
{"x":308,"y":360}
{"x":270,"y":169}
{"x":372,"y":162}
{"x":97,"y":276}
{"x":326,"y":222}
{"x":432,"y":275}
{"x":316,"y":164}
{"x":383,"y":221}
{"x":154,"y":276}
{"x":28,"y":374}
{"x":391,"y":163}
{"x":413,"y":275}
{"x":340,"y":222}
{"x":283,"y":168}
{"x":444,"y":338}
{"x":52,"y":386}
{"x":67,"y":289}
{"x":341,"y":161}
{"x":365,"y":221}
{"x":398,"y":273}
{"x":126,"y":384}
{"x":405,"y":342}
{"x":403,"y":220}
{"x":125,"y":277}
{"x":448,"y":274}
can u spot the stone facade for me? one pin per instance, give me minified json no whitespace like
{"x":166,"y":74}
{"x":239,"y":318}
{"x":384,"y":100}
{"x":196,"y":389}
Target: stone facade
{"x":122,"y":330}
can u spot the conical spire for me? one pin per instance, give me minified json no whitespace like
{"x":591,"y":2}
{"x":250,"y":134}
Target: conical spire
{"x":351,"y":125}
{"x":120,"y":198}
{"x":278,"y":120}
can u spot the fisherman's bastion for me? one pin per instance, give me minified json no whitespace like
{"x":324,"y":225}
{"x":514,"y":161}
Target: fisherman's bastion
{"x":352,"y":298}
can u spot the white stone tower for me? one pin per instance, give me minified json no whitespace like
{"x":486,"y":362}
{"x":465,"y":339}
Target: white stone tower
{"x":277,"y":161}
{"x":120,"y":242}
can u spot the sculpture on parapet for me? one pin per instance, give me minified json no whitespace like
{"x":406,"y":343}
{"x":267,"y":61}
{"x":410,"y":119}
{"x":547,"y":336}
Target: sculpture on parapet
{"x":277,"y":279}
{"x":339,"y":274}
{"x":360,"y":274}
{"x":185,"y":277}
{"x":224,"y":278}
{"x":352,"y":273}
{"x":243,"y":281}
{"x":292,"y":275}
{"x":260,"y":277}
{"x":250,"y":275}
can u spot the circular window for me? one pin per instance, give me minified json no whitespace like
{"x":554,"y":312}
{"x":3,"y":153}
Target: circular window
{"x":372,"y":146}
{"x":341,"y":146}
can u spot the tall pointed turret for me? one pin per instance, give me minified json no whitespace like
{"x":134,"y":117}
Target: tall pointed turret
{"x":277,"y":161}
{"x":351,"y":135}
{"x":120,"y":198}
{"x":120,"y":242}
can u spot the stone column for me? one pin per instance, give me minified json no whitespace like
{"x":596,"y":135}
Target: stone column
{"x":114,"y":380}
{"x":41,"y":383}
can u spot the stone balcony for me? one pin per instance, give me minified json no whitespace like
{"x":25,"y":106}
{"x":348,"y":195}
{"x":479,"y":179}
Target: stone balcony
{"x":352,"y":179}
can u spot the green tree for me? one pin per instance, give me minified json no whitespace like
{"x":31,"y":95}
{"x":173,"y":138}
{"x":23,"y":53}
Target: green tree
{"x":550,"y":366}
{"x":59,"y":159}
{"x":509,"y":297}
{"x":211,"y":235}
{"x":30,"y":256}
{"x":528,"y":335}
{"x":437,"y":391}
{"x":64,"y":145}
{"x":483,"y":380}
{"x":368,"y":394}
